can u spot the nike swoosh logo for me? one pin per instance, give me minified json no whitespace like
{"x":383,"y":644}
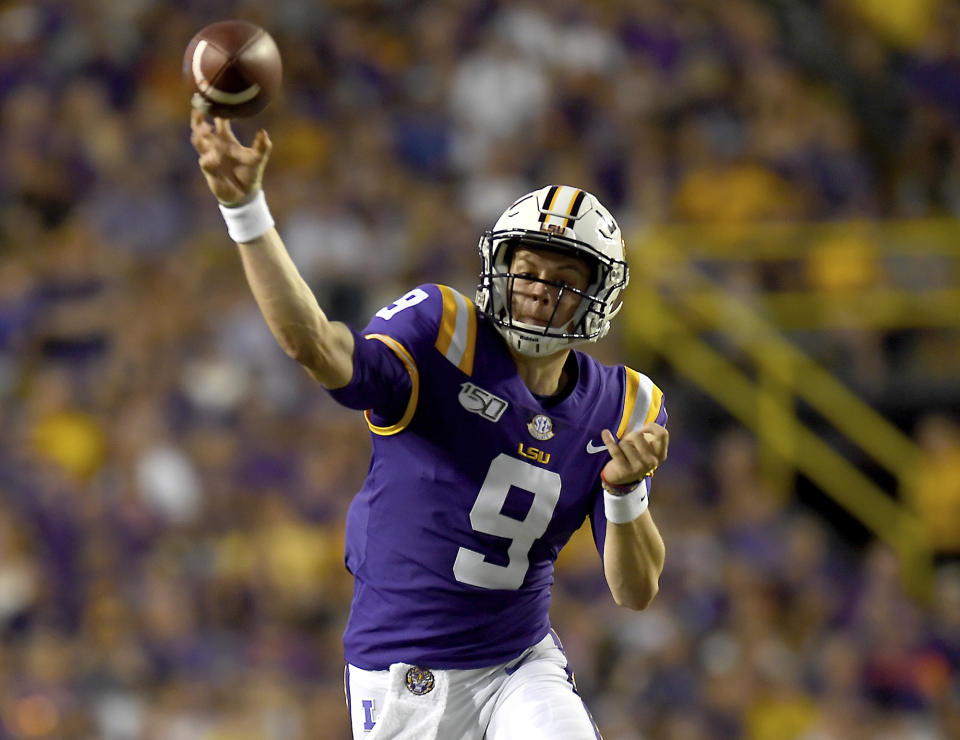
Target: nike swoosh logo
{"x":594,"y":449}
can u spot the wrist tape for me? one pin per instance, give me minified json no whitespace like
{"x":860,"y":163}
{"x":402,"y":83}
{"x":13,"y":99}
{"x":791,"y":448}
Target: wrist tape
{"x":248,"y":221}
{"x":621,"y":508}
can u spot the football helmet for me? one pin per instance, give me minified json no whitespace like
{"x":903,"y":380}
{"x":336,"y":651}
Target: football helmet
{"x":563,"y":219}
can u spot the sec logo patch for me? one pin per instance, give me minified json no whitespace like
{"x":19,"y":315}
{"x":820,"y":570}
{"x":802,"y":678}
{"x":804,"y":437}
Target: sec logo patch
{"x":541,"y":427}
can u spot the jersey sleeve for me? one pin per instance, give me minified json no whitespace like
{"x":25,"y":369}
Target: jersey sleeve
{"x":381,"y":381}
{"x":386,"y":372}
{"x":643,"y":403}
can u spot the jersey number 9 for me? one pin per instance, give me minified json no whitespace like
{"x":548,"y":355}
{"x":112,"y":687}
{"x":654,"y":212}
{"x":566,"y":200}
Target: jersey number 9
{"x":486,"y":516}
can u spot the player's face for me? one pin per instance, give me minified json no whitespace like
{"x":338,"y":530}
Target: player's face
{"x":535,"y":302}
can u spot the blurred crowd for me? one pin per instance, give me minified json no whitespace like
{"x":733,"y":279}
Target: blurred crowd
{"x":173,"y":488}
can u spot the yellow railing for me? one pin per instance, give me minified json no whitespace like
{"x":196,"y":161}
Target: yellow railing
{"x":675,"y":296}
{"x":875,"y":308}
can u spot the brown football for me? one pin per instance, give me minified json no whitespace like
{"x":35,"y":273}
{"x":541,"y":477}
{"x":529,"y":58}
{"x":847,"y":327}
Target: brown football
{"x":234,"y":68}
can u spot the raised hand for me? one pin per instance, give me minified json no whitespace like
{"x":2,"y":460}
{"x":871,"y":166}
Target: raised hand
{"x":234,"y":172}
{"x":636,"y":455}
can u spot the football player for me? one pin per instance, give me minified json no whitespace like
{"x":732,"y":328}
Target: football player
{"x":493,"y":441}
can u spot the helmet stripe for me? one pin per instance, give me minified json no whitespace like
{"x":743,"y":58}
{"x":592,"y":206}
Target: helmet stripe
{"x":574,"y":210}
{"x":548,"y":206}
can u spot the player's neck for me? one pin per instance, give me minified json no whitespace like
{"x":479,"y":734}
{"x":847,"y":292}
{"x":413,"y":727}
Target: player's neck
{"x":544,"y":376}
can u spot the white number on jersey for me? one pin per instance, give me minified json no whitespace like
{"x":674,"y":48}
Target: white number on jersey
{"x":486,"y":516}
{"x":412,"y":298}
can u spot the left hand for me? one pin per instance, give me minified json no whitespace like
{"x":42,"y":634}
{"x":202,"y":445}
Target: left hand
{"x":639,"y":452}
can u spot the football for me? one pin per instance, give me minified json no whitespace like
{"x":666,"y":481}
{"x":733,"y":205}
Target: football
{"x":234,"y":69}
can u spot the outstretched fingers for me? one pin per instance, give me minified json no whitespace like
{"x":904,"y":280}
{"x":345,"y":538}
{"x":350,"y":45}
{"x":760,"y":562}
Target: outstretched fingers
{"x":262,"y":142}
{"x":199,"y":130}
{"x":225,"y":130}
{"x":209,"y":161}
{"x":257,"y":153}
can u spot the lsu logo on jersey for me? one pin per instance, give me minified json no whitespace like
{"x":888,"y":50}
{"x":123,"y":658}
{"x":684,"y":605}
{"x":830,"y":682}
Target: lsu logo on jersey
{"x":532,"y":453}
{"x":420,"y":681}
{"x":478,"y":401}
{"x":541,"y":427}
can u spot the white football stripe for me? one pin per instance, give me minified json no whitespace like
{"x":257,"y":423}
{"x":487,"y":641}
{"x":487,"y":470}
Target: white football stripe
{"x":641,"y":406}
{"x":212,"y":93}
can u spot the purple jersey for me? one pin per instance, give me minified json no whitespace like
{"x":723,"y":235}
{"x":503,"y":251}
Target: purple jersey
{"x":474,"y":487}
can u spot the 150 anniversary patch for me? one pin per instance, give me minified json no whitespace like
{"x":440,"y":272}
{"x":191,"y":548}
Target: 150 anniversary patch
{"x":478,"y":401}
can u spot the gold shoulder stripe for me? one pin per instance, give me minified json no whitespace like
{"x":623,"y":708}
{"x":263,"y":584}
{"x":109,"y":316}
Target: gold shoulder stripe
{"x":466,"y":363}
{"x":656,"y":402}
{"x":641,"y":404}
{"x":629,"y":400}
{"x":448,"y":320}
{"x":411,"y":365}
{"x":457,"y":337}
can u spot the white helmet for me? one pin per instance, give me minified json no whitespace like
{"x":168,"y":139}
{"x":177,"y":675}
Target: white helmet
{"x":563,"y":219}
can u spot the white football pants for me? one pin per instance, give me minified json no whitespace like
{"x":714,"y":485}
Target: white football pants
{"x":529,"y":698}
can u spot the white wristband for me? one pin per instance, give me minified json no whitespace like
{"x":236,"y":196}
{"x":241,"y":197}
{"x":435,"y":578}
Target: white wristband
{"x":628,"y":506}
{"x":245,"y":223}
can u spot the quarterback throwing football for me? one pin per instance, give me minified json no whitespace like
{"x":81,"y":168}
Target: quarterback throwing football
{"x":493,"y":442}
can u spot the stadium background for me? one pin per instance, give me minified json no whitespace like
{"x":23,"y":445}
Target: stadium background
{"x":172,"y":488}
